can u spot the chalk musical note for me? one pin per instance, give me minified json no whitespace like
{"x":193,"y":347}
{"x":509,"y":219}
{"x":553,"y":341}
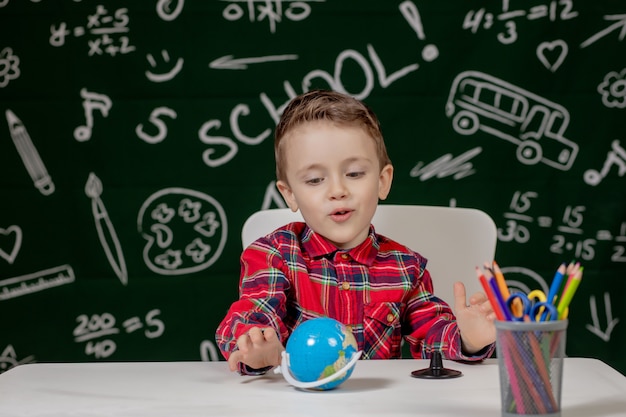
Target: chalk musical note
{"x":91,"y":102}
{"x":106,"y":231}
{"x":30,"y":157}
{"x":617,"y":156}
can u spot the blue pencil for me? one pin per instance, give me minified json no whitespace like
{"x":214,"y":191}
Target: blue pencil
{"x":554,"y":287}
{"x":496,"y":292}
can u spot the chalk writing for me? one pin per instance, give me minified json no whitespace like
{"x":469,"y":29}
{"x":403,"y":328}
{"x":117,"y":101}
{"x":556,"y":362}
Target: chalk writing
{"x":155,"y":119}
{"x":272,"y":10}
{"x":105,"y":30}
{"x":98,"y":331}
{"x":556,"y":10}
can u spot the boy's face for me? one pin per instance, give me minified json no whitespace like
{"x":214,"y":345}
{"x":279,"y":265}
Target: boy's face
{"x":334,"y":178}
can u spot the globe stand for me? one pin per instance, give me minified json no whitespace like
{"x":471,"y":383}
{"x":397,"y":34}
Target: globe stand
{"x":436,"y":369}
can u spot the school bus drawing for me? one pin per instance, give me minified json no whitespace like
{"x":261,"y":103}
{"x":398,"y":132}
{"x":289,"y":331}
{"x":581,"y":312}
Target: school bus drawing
{"x":536,"y":125}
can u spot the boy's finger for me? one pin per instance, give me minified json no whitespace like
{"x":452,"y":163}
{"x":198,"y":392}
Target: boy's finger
{"x":233,"y":360}
{"x":460,"y":296}
{"x":255,"y":335}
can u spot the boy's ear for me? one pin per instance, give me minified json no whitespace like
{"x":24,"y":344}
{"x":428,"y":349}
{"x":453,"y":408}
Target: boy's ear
{"x":287,"y":194}
{"x":384,"y":181}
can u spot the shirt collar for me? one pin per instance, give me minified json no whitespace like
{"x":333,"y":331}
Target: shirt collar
{"x":317,"y":246}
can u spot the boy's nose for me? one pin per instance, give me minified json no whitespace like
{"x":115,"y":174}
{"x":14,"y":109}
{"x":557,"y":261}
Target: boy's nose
{"x":338,"y":189}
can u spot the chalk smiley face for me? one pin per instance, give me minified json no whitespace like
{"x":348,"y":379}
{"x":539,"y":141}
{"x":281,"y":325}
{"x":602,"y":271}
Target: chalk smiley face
{"x":185,"y":231}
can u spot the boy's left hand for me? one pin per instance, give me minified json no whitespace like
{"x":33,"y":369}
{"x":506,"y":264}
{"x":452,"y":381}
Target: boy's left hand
{"x":475,"y":320}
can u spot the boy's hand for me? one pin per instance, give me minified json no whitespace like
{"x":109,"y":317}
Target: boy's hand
{"x":258,"y":348}
{"x":475,"y":320}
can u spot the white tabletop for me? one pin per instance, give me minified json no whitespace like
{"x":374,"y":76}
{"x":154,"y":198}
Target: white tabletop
{"x":376,"y":388}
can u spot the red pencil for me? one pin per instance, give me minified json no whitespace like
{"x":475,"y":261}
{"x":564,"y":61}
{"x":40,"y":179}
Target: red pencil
{"x":490,"y":295}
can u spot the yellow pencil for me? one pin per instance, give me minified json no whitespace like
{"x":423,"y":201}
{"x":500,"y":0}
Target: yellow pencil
{"x":569,"y":292}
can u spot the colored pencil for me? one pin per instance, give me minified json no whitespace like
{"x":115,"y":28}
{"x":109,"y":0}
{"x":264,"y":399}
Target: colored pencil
{"x":490,"y":295}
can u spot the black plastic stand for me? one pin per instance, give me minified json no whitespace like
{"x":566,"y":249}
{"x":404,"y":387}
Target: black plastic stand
{"x":436,"y":369}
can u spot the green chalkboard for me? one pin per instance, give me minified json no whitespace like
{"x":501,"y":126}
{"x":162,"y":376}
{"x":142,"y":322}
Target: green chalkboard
{"x":136,"y":138}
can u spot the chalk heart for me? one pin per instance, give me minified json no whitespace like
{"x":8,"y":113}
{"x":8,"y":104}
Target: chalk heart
{"x":552,"y":54}
{"x":10,"y":242}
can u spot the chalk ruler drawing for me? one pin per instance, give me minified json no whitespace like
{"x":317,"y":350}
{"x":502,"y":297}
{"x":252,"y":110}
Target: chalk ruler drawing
{"x":536,"y":125}
{"x":37,"y":281}
{"x":30,"y":157}
{"x":10,"y":252}
{"x":106,"y":232}
{"x":185,"y":231}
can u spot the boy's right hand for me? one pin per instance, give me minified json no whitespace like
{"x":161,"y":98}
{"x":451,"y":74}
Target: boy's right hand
{"x":258,"y":348}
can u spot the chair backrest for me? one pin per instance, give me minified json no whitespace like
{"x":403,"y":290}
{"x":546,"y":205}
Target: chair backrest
{"x":454,"y":240}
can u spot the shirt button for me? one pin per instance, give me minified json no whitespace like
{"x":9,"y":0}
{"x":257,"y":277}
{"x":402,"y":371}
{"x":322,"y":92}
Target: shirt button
{"x":345,"y":285}
{"x":344,"y":256}
{"x":390,"y":318}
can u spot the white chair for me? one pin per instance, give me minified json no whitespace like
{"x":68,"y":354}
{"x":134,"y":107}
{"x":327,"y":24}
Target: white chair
{"x":454,"y":240}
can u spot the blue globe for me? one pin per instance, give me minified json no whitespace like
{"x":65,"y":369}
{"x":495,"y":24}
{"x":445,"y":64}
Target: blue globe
{"x":319,"y":348}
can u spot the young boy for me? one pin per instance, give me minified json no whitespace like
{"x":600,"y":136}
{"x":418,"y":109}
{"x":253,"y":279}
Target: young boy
{"x":332,"y":165}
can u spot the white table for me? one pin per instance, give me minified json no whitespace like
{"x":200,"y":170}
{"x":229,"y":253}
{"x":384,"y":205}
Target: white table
{"x":376,"y":388}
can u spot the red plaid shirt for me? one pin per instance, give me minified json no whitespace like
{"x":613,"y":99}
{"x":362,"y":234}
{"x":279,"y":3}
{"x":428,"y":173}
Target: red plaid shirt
{"x":380,"y":289}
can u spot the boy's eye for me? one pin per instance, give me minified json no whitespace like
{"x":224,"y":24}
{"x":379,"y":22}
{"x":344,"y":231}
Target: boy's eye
{"x":314,"y":181}
{"x":355,"y":174}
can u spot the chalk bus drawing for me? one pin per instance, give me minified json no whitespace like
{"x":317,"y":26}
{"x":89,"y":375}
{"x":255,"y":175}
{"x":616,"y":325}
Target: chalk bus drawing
{"x":536,"y":125}
{"x":106,"y":231}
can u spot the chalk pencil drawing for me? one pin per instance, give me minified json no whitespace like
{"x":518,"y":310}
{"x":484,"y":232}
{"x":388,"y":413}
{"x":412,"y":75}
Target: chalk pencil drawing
{"x":29,"y":154}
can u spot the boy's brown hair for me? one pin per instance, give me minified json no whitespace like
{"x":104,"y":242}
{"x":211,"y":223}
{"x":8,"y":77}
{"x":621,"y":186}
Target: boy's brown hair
{"x":331,"y":106}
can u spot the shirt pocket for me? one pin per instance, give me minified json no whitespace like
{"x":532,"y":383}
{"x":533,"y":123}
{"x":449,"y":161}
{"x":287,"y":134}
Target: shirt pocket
{"x":383,"y":330}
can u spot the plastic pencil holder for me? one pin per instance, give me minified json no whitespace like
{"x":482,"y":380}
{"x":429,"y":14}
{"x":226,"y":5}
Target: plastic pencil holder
{"x":530,"y":361}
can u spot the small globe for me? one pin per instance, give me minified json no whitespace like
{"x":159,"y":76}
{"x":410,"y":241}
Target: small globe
{"x":319,"y":348}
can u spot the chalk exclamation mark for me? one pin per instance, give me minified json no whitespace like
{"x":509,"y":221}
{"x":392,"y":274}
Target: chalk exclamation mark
{"x":412,"y":16}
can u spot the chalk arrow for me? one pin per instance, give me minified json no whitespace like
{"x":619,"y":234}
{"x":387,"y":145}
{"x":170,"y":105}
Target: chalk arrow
{"x":611,"y":322}
{"x":228,"y":62}
{"x":621,"y":22}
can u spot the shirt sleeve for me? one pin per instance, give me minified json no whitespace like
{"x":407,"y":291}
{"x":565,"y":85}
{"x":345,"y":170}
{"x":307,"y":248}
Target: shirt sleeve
{"x":263,"y":290}
{"x":432,"y":325}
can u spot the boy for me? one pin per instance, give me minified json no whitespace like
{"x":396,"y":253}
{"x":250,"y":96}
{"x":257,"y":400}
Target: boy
{"x":332,"y":165}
